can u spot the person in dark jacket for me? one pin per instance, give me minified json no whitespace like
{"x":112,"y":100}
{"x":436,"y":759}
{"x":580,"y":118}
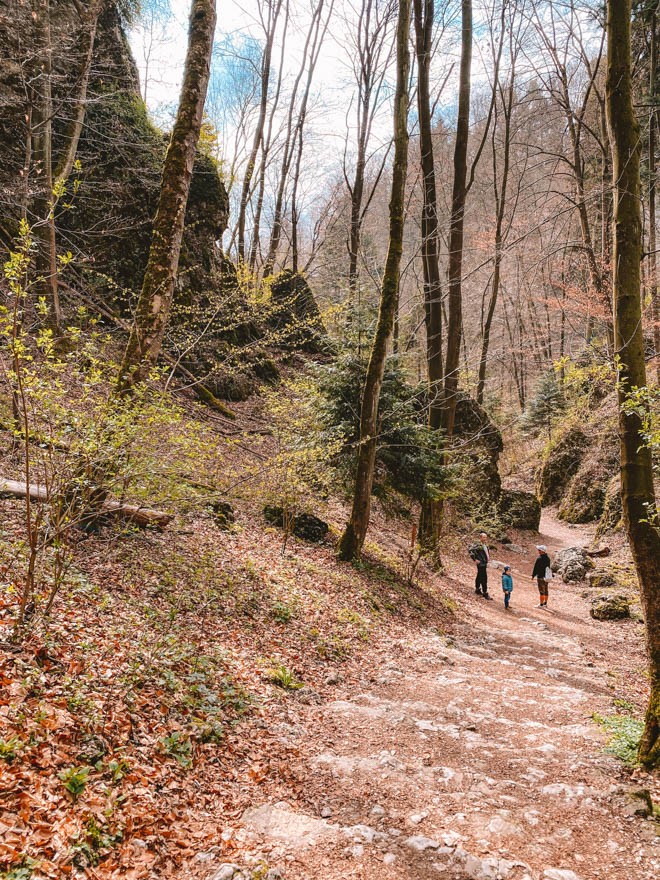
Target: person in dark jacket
{"x":540,"y":572}
{"x":482,"y":558}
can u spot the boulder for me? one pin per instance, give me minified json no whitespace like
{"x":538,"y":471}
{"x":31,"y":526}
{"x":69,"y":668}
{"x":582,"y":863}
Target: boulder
{"x":310,"y":528}
{"x":560,"y":463}
{"x":223,"y":513}
{"x":612,"y":607}
{"x":520,"y":510}
{"x":302,"y":525}
{"x":601,"y":579}
{"x":572,"y":564}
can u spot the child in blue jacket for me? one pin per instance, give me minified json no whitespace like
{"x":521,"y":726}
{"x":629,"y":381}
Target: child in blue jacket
{"x":507,"y":585}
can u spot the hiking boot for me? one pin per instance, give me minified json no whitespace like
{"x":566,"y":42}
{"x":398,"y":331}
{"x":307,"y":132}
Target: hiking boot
{"x":486,"y":596}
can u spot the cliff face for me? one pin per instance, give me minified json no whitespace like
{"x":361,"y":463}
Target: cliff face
{"x":106,"y":224}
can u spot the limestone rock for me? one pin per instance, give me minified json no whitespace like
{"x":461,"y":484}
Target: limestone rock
{"x":520,"y":510}
{"x":420,"y":843}
{"x":572,"y":564}
{"x":614,"y":607}
{"x":296,"y":314}
{"x":560,"y":465}
{"x":226,"y":872}
{"x":279,"y":822}
{"x":601,"y":579}
{"x":559,"y":874}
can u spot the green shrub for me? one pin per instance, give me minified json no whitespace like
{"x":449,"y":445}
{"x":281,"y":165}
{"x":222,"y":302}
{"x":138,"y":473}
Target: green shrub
{"x":74,"y":780}
{"x":625,"y":733}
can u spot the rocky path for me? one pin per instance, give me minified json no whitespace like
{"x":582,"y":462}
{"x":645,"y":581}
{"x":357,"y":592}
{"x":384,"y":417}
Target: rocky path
{"x":474,"y":756}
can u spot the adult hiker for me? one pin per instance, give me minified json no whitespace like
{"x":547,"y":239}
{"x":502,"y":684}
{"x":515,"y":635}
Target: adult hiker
{"x":543,"y":573}
{"x":479,"y":553}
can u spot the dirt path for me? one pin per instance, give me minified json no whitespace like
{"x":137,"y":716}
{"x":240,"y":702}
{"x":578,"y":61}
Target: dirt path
{"x":470,"y":757}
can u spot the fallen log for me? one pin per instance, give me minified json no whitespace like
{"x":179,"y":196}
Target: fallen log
{"x":141,"y":516}
{"x":602,"y":551}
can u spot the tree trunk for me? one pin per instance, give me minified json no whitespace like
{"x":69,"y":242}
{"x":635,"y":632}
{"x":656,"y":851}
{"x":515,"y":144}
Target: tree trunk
{"x":637,"y":494}
{"x":653,"y":262}
{"x":500,"y":190}
{"x":352,"y":541}
{"x":459,"y":192}
{"x":274,"y":11}
{"x":43,"y":203}
{"x":424,"y":17}
{"x":155,"y":300}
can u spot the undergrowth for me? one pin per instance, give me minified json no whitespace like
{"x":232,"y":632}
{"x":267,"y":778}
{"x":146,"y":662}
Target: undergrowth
{"x":624,"y":733}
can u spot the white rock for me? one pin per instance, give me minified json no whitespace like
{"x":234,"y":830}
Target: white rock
{"x":389,"y":858}
{"x":559,"y":874}
{"x":226,"y":872}
{"x":377,"y":810}
{"x":326,"y":812}
{"x":418,"y":818}
{"x":421,"y":843}
{"x":279,"y":822}
{"x":357,"y":851}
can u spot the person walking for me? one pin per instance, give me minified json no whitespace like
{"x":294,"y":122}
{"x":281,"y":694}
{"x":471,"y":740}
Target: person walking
{"x":543,"y":573}
{"x":481,"y":556}
{"x":507,"y":585}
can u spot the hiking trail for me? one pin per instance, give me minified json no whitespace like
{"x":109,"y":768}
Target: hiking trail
{"x":474,"y":756}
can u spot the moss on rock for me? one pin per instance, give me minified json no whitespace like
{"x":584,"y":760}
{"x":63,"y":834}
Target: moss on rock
{"x":560,"y":463}
{"x":520,"y":510}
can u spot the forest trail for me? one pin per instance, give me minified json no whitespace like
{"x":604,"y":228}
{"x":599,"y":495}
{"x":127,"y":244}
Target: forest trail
{"x":474,"y":756}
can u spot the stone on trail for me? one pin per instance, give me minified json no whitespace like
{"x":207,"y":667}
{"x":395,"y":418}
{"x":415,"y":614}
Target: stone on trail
{"x":616,"y":607}
{"x":279,"y":822}
{"x":226,"y":872}
{"x":559,"y":874}
{"x":572,"y":564}
{"x":420,"y":843}
{"x":490,"y":868}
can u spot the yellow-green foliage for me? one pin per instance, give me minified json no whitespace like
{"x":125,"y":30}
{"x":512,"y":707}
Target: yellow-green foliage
{"x":300,"y":470}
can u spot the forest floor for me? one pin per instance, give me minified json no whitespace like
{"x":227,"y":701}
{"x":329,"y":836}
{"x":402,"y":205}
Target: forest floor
{"x":417,"y":731}
{"x":473,"y":755}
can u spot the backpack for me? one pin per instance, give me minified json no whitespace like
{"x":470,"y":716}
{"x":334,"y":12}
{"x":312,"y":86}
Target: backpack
{"x":475,"y":552}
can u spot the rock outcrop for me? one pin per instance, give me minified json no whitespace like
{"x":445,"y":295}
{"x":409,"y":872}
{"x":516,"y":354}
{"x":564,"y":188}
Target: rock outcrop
{"x":520,"y":510}
{"x":560,"y":463}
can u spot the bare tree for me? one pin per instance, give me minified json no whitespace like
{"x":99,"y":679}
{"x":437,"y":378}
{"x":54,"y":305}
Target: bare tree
{"x":50,"y":171}
{"x":370,"y":59}
{"x":269,"y":13}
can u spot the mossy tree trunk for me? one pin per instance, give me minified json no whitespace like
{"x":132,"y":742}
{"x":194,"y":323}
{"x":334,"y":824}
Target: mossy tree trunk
{"x":653,"y":262}
{"x":352,"y":541}
{"x":424,"y":14}
{"x":637,"y":493}
{"x":155,"y":299}
{"x":456,"y":224}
